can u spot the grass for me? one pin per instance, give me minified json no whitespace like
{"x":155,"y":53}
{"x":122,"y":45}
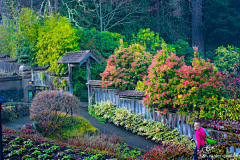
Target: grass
{"x":73,"y":127}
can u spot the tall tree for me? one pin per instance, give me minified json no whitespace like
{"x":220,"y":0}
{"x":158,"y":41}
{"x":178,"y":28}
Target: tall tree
{"x":197,"y":31}
{"x":172,"y":19}
{"x":105,"y":14}
{"x":221,"y":22}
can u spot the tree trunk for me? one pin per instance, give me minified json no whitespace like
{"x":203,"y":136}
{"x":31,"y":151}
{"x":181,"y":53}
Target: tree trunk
{"x":197,"y":32}
{"x":56,"y":6}
{"x":100,"y":14}
{"x":158,"y":16}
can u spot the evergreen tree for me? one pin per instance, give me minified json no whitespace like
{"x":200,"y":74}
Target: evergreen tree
{"x":221,"y":22}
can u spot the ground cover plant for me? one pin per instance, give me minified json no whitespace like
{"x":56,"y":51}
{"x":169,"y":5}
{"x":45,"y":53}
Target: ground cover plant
{"x":156,"y":131}
{"x":26,"y":146}
{"x":73,"y":126}
{"x":23,"y":145}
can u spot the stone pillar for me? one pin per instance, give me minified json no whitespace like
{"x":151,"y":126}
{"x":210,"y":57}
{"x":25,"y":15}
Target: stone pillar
{"x":25,"y":72}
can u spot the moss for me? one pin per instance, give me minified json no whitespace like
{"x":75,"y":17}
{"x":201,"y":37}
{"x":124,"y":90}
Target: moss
{"x":75,"y":128}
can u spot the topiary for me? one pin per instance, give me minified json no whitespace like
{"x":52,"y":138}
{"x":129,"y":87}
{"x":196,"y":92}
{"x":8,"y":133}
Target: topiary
{"x":45,"y":109}
{"x":126,"y":67}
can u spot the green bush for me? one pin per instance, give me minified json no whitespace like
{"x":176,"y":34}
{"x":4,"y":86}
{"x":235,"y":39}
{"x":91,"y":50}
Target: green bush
{"x":102,"y":44}
{"x":183,"y":48}
{"x":227,"y":58}
{"x":55,"y":38}
{"x":14,"y":110}
{"x":148,"y":39}
{"x":73,"y":127}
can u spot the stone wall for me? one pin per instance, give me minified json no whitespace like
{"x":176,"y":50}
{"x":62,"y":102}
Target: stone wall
{"x":11,"y":88}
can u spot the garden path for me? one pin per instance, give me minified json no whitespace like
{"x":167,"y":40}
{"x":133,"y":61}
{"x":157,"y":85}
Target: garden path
{"x":131,"y":139}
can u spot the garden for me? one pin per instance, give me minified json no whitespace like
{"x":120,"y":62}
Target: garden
{"x":163,"y":62}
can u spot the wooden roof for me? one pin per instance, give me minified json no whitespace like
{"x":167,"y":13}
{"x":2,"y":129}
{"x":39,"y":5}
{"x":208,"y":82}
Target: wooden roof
{"x":4,"y":56}
{"x":2,"y":100}
{"x":41,"y":67}
{"x":94,"y":82}
{"x":131,"y":93}
{"x":127,"y":93}
{"x":10,"y":60}
{"x":78,"y":57}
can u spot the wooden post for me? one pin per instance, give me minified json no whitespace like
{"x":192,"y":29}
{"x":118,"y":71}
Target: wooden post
{"x":88,"y":74}
{"x":1,"y":145}
{"x":70,"y":79}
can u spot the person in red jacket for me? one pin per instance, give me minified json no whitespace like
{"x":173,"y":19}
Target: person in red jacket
{"x":200,"y":137}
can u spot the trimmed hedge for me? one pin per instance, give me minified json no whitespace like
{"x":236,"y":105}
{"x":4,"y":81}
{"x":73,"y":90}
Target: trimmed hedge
{"x":14,"y":110}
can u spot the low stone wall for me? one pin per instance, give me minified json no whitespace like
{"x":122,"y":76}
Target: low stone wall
{"x":11,"y":88}
{"x":14,"y":95}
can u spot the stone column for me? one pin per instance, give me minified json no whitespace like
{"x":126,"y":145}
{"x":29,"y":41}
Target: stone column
{"x":25,"y":72}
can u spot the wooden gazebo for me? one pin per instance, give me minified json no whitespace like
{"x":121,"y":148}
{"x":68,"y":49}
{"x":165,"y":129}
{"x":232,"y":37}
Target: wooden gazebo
{"x":76,"y":59}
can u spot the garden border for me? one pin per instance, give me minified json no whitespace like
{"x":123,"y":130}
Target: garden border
{"x":172,"y":119}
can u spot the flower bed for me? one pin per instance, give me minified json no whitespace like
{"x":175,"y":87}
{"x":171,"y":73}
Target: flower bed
{"x":225,"y":125}
{"x":32,"y":145}
{"x":156,"y":131}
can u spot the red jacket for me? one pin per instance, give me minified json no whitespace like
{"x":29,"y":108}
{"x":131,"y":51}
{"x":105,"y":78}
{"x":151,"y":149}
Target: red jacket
{"x":200,"y":136}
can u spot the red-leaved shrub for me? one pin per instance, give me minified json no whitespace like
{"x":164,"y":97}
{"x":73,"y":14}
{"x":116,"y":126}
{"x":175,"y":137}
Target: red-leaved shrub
{"x":171,"y":85}
{"x":169,"y":151}
{"x":126,"y":67}
{"x":160,"y":84}
{"x":47,"y":107}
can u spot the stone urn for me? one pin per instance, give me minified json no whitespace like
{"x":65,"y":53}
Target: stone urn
{"x":24,"y":69}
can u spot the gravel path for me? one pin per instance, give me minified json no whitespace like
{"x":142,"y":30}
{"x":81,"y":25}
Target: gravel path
{"x":107,"y":128}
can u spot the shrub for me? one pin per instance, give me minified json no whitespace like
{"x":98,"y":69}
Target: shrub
{"x":126,"y":67}
{"x":160,"y":84}
{"x":98,"y":141}
{"x":229,"y":109}
{"x":148,"y":39}
{"x":73,"y":127}
{"x":14,"y":110}
{"x":194,"y":89}
{"x":45,"y":107}
{"x":226,"y":59}
{"x":199,"y":90}
{"x":102,"y":44}
{"x":183,"y":48}
{"x":55,"y":38}
{"x":169,"y":151}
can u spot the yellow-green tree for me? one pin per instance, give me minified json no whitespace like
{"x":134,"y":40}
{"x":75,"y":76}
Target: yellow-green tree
{"x":28,"y":26}
{"x":55,"y":38}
